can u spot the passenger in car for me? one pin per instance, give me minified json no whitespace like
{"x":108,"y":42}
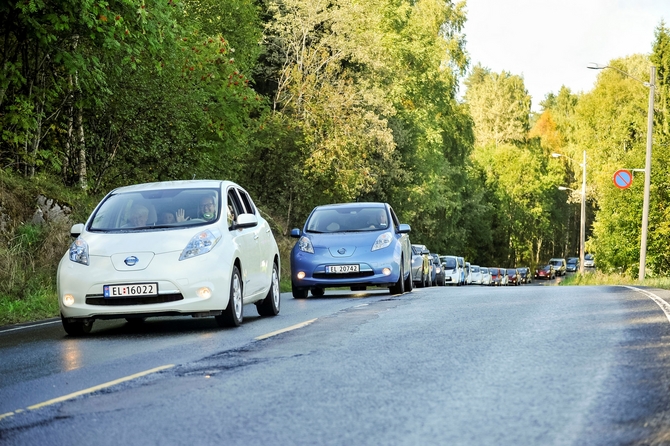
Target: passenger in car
{"x":166,"y":217}
{"x":139,"y":215}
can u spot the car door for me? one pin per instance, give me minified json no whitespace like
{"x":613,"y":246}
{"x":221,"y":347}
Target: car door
{"x":246,"y":240}
{"x":265,"y":243}
{"x":405,"y":243}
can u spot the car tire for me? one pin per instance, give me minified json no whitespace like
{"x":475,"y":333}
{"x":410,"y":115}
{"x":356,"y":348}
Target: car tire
{"x":298,"y":293}
{"x":272,"y":302}
{"x":77,"y":327}
{"x":399,"y":286}
{"x":318,"y":292}
{"x":234,"y":313}
{"x":409,"y":283}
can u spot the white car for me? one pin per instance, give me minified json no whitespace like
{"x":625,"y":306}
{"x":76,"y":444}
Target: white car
{"x":475,"y":275}
{"x":165,"y":249}
{"x":452,"y":272}
{"x":486,"y":276}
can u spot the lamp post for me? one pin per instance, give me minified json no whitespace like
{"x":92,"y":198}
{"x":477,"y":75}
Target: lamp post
{"x":647,"y":163}
{"x":582,"y":220}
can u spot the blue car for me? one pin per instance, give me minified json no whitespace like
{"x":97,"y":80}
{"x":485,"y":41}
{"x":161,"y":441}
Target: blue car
{"x":352,"y":245}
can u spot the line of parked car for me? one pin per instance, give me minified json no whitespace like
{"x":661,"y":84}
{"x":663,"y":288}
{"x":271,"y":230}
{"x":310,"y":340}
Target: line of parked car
{"x":202,"y":248}
{"x":430,"y":269}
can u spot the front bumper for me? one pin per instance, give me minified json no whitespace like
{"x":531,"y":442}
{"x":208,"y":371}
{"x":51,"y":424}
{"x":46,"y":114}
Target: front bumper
{"x":178,"y":286}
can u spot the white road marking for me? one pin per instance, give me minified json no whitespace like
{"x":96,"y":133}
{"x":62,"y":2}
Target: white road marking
{"x":28,"y":326}
{"x":89,"y":390}
{"x":659,"y":301}
{"x":284,"y":330}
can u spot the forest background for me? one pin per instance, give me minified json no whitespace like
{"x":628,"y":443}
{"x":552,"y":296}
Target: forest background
{"x":306,"y":102}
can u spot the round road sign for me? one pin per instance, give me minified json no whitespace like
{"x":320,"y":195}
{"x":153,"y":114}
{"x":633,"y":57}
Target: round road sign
{"x":622,"y":178}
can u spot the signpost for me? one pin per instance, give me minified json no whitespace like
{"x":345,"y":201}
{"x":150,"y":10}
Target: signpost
{"x":623,"y":178}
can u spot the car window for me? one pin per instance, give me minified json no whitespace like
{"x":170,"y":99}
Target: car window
{"x":348,"y":219}
{"x":149,"y":210}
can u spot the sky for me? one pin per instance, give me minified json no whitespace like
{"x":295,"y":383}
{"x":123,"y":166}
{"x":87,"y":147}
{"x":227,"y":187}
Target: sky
{"x":551,"y":42}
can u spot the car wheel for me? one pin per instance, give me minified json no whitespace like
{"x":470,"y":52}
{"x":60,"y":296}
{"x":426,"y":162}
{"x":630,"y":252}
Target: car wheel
{"x":234,"y":313}
{"x":298,"y":293}
{"x":318,"y":292}
{"x":409,"y":283}
{"x":399,"y":286}
{"x":270,"y":305}
{"x":77,"y":327}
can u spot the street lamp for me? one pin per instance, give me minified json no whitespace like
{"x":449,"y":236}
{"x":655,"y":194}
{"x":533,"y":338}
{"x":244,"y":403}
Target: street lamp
{"x":582,"y":220}
{"x":647,"y":164}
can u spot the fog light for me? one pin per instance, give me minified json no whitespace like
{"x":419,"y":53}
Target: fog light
{"x":68,"y":300}
{"x":301,"y":275}
{"x":386,"y":271}
{"x":205,"y":292}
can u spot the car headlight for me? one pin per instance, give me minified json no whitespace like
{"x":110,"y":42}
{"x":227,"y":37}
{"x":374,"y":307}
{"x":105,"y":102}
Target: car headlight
{"x":305,"y":245}
{"x":200,"y":244}
{"x":79,"y":251}
{"x":382,"y":241}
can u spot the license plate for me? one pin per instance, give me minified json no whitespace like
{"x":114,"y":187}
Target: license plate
{"x":130,"y":290}
{"x":342,"y":269}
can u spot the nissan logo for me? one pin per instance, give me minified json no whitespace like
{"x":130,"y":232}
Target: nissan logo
{"x":341,"y":251}
{"x":131,"y":261}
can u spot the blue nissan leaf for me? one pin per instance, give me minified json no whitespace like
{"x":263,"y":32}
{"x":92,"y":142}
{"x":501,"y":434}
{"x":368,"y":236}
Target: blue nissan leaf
{"x":354,"y":245}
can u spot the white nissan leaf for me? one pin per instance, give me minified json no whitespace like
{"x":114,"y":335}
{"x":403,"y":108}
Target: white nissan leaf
{"x":198,"y":248}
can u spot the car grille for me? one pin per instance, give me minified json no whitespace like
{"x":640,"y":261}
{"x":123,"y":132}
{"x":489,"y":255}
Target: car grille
{"x":344,"y":276}
{"x":101,"y":300}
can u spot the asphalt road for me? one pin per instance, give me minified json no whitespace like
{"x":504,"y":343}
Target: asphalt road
{"x":449,"y":365}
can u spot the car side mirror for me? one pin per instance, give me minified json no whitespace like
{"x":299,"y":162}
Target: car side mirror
{"x":295,"y":233}
{"x":404,"y":228}
{"x":245,"y":221}
{"x":76,"y":230}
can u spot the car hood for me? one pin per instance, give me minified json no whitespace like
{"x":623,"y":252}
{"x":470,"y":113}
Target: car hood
{"x":157,"y":242}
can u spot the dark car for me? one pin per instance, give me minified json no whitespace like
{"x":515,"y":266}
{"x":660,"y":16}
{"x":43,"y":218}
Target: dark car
{"x":525,"y":274}
{"x":572,"y":264}
{"x":545,"y":272}
{"x":439,"y":271}
{"x":513,"y":277}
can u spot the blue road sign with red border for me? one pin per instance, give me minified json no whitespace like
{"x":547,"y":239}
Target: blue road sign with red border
{"x":623,"y":178}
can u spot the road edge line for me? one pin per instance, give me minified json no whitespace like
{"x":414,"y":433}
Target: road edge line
{"x":659,"y":301}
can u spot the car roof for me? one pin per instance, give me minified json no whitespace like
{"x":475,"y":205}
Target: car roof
{"x":355,"y":204}
{"x":184,"y":184}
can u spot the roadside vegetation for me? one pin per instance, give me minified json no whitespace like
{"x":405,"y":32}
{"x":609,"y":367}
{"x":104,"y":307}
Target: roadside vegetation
{"x":307,"y":102}
{"x":600,"y":278}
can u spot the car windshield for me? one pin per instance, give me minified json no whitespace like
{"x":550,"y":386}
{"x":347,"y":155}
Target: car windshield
{"x":449,"y":262}
{"x":588,"y":257}
{"x":571,"y":261}
{"x":151,"y":209}
{"x":417,"y":250}
{"x":556,"y":262}
{"x":348,"y":219}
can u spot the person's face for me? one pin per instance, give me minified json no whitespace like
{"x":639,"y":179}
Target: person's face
{"x":208,"y":208}
{"x":167,"y":217}
{"x":139,"y":218}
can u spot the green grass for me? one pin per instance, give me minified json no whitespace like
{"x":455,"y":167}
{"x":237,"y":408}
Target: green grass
{"x":40,"y":304}
{"x":599,"y":278}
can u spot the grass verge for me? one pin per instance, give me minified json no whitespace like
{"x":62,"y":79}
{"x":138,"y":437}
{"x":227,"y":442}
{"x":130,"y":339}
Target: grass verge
{"x":599,"y":278}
